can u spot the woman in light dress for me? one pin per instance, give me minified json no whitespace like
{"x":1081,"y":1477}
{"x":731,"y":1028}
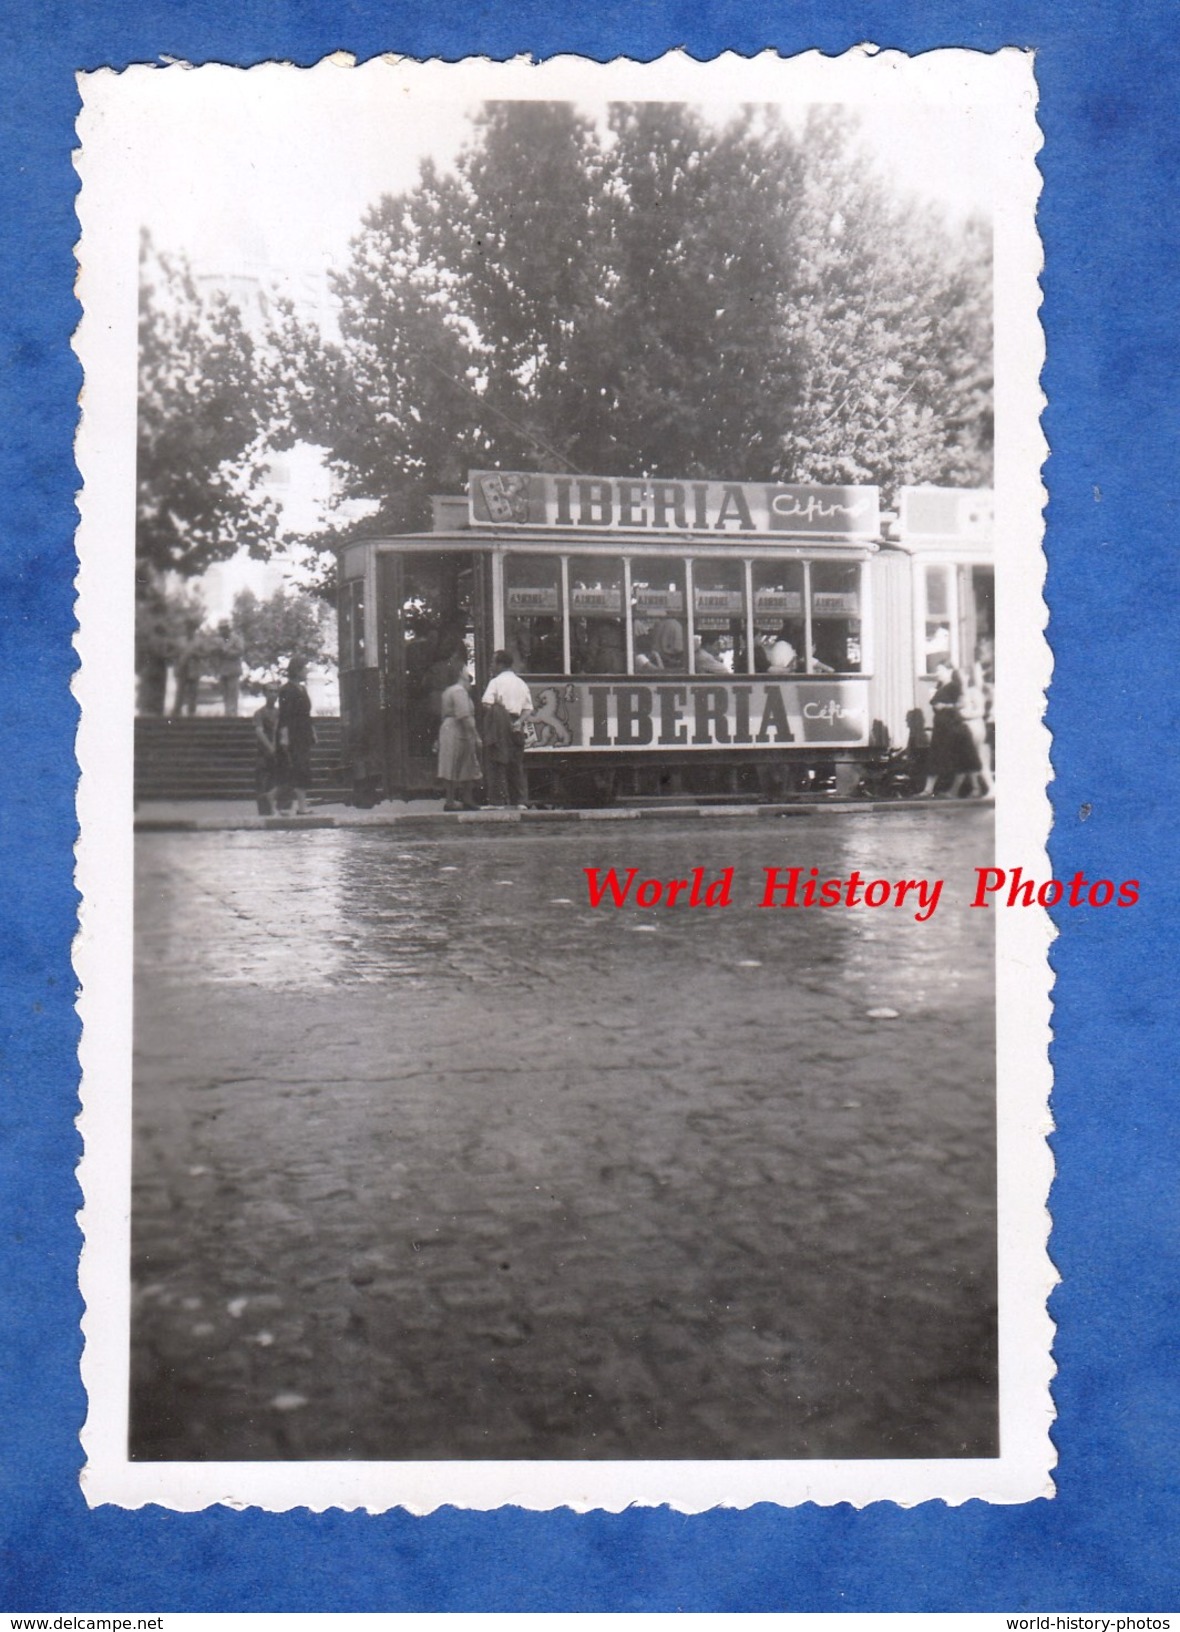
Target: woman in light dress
{"x":458,"y":743}
{"x":974,"y":708}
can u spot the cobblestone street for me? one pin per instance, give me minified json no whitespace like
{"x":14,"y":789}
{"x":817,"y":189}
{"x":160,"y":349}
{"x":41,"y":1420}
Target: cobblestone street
{"x":434,"y":1161}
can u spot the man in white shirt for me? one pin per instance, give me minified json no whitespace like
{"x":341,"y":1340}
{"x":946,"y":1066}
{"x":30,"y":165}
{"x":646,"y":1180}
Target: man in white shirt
{"x":509,"y":703}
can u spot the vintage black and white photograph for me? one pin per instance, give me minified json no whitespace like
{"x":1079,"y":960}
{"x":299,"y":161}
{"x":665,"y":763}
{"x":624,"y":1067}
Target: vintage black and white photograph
{"x":564,"y":963}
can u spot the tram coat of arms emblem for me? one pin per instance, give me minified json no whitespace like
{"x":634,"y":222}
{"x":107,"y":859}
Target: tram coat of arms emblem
{"x":506,"y":496}
{"x":551,"y":715}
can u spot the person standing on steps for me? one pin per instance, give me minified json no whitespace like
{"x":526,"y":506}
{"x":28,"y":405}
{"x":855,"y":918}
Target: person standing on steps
{"x":227,"y":655}
{"x":190,"y":666}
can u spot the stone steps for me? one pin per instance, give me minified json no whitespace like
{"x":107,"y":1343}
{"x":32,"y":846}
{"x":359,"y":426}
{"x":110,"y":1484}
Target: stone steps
{"x":203,"y":758}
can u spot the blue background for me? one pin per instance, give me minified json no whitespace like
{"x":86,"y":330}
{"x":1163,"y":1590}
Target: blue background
{"x":1109,"y":88}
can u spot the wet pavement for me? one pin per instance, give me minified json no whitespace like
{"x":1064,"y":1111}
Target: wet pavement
{"x":434,"y":1161}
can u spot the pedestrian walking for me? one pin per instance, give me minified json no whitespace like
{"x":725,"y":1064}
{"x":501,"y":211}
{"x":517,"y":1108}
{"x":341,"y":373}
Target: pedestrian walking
{"x":952,"y":751}
{"x":458,"y":742}
{"x":295,"y":735}
{"x":266,"y":733}
{"x":509,"y":703}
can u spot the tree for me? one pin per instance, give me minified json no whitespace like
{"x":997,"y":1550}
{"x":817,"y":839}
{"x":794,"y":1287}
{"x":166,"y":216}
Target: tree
{"x":890,"y":317}
{"x":703,"y":247}
{"x":663,"y":295}
{"x":275,"y":630}
{"x":201,"y":448}
{"x":200,"y":455}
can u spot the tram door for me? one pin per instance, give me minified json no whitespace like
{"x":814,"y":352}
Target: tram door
{"x":432,"y":607}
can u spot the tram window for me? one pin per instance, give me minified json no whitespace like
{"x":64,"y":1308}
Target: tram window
{"x":719,"y":608}
{"x":598,"y":633}
{"x":657,"y":614}
{"x":835,"y":617}
{"x":532,"y":613}
{"x":352,"y":623}
{"x":938,"y":642}
{"x":778,"y":617}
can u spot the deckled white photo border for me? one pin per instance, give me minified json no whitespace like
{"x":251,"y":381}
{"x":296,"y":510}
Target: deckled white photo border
{"x":114,"y":124}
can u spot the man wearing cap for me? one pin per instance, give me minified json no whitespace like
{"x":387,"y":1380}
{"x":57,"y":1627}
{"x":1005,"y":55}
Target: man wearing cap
{"x":509,"y":703}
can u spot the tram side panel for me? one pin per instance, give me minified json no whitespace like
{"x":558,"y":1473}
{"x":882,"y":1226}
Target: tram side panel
{"x":592,"y":722}
{"x":629,"y":715}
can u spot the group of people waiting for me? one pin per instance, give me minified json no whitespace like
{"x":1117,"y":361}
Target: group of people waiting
{"x":220,"y":655}
{"x":961,"y":737}
{"x":284,"y":737}
{"x":507,"y":703}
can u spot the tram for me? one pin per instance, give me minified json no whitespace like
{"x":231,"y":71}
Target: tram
{"x":679,"y":637}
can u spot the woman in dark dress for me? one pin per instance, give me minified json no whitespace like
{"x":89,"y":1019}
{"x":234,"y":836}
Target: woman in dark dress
{"x":296,"y":735}
{"x":952,"y":751}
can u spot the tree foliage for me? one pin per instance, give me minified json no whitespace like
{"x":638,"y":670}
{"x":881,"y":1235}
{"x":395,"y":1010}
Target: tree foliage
{"x":890,"y":319}
{"x":273,"y":631}
{"x":662,"y":295}
{"x":201,"y":428}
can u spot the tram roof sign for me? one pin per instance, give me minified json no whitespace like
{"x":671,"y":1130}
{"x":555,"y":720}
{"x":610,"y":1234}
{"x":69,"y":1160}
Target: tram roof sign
{"x":626,"y":504}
